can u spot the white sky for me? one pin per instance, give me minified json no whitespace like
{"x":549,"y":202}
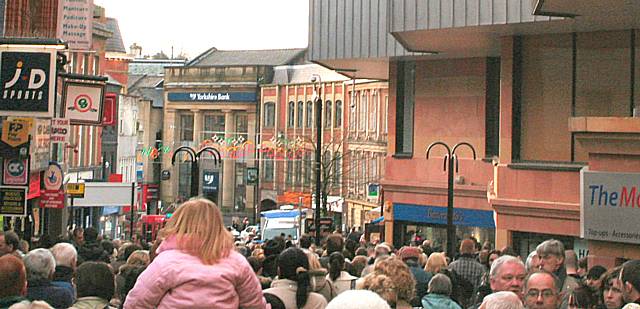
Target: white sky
{"x":194,"y":26}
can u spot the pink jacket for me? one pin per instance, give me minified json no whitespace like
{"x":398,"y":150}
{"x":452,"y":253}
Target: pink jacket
{"x":176,"y":279}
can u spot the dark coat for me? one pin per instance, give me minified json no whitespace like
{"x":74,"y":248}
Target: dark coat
{"x":422,"y":281}
{"x":44,"y":290}
{"x":92,"y":251}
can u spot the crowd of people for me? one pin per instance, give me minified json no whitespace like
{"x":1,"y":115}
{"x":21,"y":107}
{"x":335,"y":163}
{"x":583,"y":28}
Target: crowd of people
{"x":196,"y":263}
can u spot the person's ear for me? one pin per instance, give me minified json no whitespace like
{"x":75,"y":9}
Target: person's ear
{"x":23,"y":291}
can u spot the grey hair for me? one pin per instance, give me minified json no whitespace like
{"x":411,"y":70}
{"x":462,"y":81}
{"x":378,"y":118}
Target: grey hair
{"x":502,"y":300}
{"x":499,"y":262}
{"x":551,"y":246}
{"x":65,"y":254}
{"x":40,"y":264}
{"x":440,"y":284}
{"x":542,"y":272}
{"x":527,"y":264}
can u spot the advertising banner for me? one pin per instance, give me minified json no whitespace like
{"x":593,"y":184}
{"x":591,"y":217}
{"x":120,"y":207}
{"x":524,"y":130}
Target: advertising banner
{"x":15,"y":172}
{"x":610,"y":206}
{"x":60,"y":130}
{"x":83,"y":102}
{"x":13,"y":201}
{"x":75,"y":20}
{"x":40,"y":144}
{"x":28,"y":81}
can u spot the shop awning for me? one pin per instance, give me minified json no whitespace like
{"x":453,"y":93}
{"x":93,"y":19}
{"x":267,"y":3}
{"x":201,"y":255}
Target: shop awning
{"x":110,"y":210}
{"x":377,"y":220}
{"x":438,"y":215}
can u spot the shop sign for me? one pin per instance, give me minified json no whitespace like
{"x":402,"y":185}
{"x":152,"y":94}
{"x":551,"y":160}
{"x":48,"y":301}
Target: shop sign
{"x":60,"y":130}
{"x":53,"y":177}
{"x":34,"y":186}
{"x":40,"y":144}
{"x":211,"y":181}
{"x":75,"y":23}
{"x":438,"y":215}
{"x":610,"y":206}
{"x":13,"y":201}
{"x":27,"y":80}
{"x":83,"y":102}
{"x":15,"y":172}
{"x":212,"y":96}
{"x":75,"y":189}
{"x":165,"y":175}
{"x":52,"y":199}
{"x":373,"y":191}
{"x":16,"y":131}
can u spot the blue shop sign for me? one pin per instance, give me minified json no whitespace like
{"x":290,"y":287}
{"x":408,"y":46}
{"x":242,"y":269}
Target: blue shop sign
{"x":212,"y":96}
{"x":210,"y":181}
{"x":438,"y":215}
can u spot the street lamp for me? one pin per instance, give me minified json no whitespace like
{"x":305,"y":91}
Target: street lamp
{"x":317,"y":93}
{"x":195,"y":159}
{"x":452,"y":159}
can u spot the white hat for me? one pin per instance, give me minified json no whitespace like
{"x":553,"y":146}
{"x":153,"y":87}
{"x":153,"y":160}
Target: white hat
{"x":354,"y":299}
{"x":631,"y":306}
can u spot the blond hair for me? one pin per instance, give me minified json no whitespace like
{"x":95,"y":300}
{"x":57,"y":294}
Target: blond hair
{"x":139,"y":258}
{"x":391,"y":274}
{"x":435,"y":262}
{"x":200,"y":231}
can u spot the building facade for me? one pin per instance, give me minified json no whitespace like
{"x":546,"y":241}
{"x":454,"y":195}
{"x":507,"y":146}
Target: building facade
{"x":213,"y":102}
{"x":525,"y":85}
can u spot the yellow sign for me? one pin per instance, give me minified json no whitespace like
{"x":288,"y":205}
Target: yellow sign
{"x":15,"y":132}
{"x":75,"y":189}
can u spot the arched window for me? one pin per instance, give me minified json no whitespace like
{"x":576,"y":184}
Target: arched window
{"x":291,"y":112}
{"x":269,"y":114}
{"x":309,"y":114}
{"x":327,"y":114}
{"x":299,"y":118}
{"x":338,"y":122}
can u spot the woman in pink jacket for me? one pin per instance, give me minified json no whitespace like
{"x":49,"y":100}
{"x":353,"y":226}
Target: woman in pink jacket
{"x":197,"y":266}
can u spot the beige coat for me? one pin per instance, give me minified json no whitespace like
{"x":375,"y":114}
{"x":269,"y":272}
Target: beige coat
{"x":286,"y":290}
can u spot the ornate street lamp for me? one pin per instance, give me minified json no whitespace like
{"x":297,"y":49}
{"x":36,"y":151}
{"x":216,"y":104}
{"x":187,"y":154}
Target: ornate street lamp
{"x":195,"y":159}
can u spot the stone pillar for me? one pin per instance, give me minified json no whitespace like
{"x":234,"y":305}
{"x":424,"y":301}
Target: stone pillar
{"x":168,"y":188}
{"x":252,"y":191}
{"x":228,"y":168}
{"x":197,"y":128}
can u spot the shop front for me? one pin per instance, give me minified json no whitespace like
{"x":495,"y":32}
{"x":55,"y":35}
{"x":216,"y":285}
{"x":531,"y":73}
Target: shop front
{"x":417,"y":223}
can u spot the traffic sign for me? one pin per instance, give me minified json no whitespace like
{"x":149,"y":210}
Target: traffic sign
{"x":15,"y":132}
{"x":53,"y":177}
{"x":75,"y":189}
{"x":15,"y":172}
{"x":13,"y":201}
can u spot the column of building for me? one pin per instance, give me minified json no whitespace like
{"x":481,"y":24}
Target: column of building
{"x":228,"y":166}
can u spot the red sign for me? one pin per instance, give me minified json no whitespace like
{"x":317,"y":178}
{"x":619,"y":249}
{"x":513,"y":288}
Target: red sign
{"x":110,"y":109}
{"x":115,"y":178}
{"x":52,"y":199}
{"x":16,"y":172}
{"x":34,"y":186}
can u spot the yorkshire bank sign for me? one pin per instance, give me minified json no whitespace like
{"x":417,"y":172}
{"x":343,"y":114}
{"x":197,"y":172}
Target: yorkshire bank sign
{"x":610,"y":206}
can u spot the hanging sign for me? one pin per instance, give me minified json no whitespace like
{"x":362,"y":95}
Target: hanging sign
{"x":52,"y":199}
{"x":15,"y":132}
{"x":13,"y":201}
{"x":83,"y":102}
{"x":75,"y":21}
{"x":15,"y":172}
{"x":53,"y":177}
{"x":27,"y":81}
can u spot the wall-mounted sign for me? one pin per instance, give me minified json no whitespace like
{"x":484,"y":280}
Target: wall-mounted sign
{"x":165,"y":175}
{"x":211,"y":181}
{"x":16,"y":131}
{"x":60,"y":130}
{"x":373,"y":191}
{"x":75,"y":20}
{"x":27,"y":81}
{"x":610,"y":206}
{"x":52,"y":199}
{"x":53,"y":177}
{"x":40,"y":147}
{"x":438,"y":215}
{"x":13,"y":201}
{"x":15,"y":172}
{"x":83,"y":102}
{"x":75,"y":189}
{"x":212,"y":96}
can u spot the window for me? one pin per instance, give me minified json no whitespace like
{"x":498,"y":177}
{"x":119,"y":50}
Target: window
{"x":373,"y":114}
{"x":307,"y":168}
{"x":96,"y":65}
{"x":299,"y":117}
{"x":214,"y":124}
{"x":298,"y":174}
{"x":240,"y":190}
{"x":85,"y":64}
{"x":405,"y":100}
{"x":269,"y":115}
{"x":327,"y":114}
{"x":373,"y":172}
{"x":353,"y":121}
{"x":186,"y":128}
{"x":184,"y":179}
{"x":268,"y":170}
{"x":338,"y":121}
{"x":337,"y":170}
{"x":385,"y":117}
{"x":291,"y":114}
{"x":362,"y":107}
{"x":289,"y":173}
{"x":309,"y":114}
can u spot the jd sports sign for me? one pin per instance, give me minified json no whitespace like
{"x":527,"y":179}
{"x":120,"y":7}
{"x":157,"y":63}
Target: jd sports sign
{"x":27,"y":81}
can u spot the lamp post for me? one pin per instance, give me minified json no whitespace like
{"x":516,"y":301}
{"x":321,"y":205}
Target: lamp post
{"x":195,"y":158}
{"x":317,"y":93}
{"x":450,"y":159}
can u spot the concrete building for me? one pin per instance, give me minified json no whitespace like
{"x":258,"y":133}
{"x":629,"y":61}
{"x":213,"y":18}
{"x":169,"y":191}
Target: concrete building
{"x":541,"y":89}
{"x":213,"y":101}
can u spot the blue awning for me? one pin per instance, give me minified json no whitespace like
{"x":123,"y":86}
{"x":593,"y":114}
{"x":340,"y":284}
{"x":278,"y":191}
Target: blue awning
{"x":377,"y":220}
{"x":438,"y":215}
{"x":110,"y":210}
{"x":280,"y":214}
